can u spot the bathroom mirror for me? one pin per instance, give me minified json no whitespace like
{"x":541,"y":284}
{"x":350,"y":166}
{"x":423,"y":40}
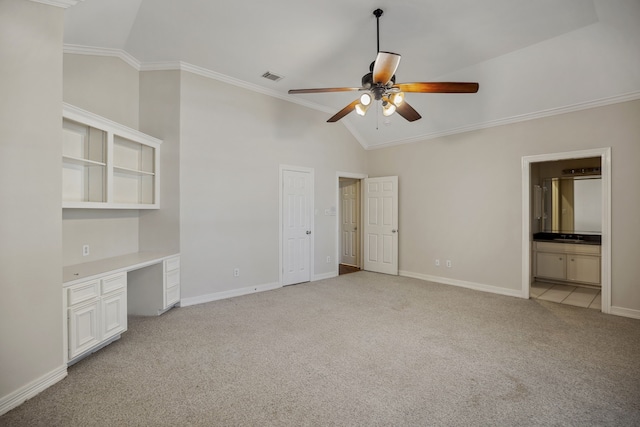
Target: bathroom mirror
{"x":572,"y":205}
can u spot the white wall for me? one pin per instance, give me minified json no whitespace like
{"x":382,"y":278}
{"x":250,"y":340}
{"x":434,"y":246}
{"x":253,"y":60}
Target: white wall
{"x":231,"y":145}
{"x":30,"y":189}
{"x":460,"y":196}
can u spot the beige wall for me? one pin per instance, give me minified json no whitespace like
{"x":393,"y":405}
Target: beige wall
{"x":104,"y":85}
{"x":107,"y":232}
{"x":460,"y":196}
{"x":109,"y":87}
{"x":30,"y":188}
{"x":232,"y":143}
{"x":160,"y":116}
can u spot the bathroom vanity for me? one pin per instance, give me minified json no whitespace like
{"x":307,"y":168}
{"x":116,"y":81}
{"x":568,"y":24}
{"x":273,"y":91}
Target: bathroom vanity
{"x":571,"y":258}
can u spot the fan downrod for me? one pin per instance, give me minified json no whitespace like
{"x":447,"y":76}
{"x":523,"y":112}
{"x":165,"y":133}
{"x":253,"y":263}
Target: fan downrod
{"x":378,"y":13}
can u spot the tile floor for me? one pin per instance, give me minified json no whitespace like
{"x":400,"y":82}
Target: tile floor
{"x":565,"y":294}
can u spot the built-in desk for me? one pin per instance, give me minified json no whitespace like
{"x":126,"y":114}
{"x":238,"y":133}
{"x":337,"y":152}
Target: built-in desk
{"x":97,"y":297}
{"x":129,"y":262}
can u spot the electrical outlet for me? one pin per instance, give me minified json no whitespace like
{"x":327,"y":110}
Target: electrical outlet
{"x":448,"y":263}
{"x":437,"y":263}
{"x":328,"y":259}
{"x":85,"y":250}
{"x":236,"y":272}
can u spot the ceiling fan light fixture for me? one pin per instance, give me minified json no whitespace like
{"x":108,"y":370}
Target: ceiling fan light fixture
{"x":388,"y":108}
{"x":365,"y":99}
{"x":361,"y":109}
{"x":397,"y":98}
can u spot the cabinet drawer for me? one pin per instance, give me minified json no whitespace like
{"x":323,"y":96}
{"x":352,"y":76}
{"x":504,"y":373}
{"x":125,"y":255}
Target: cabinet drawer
{"x":172,"y":279}
{"x":113,"y":283}
{"x":171,"y":264}
{"x":172,"y":296}
{"x":83,"y":292}
{"x":567,"y":248}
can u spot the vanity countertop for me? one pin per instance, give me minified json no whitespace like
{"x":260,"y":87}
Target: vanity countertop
{"x":580,"y":239}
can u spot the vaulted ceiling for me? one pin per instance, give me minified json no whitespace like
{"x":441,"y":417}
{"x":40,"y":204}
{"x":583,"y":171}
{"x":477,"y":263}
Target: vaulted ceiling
{"x":531,"y":58}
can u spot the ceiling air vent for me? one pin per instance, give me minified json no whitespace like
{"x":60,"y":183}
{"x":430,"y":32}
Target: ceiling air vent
{"x":271,"y":76}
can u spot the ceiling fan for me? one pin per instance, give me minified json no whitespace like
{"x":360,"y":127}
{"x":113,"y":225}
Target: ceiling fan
{"x":380,"y":85}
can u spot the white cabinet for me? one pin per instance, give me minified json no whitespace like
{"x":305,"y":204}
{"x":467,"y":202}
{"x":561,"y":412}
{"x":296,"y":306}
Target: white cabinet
{"x":84,"y":332}
{"x":578,"y":263}
{"x":96,"y":313}
{"x":171,"y":281}
{"x":106,"y":165}
{"x":583,"y":269}
{"x":551,"y":265}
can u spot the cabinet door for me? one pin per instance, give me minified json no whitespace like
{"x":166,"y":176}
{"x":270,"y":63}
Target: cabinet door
{"x":114,"y":315}
{"x":583,"y":268}
{"x":550,"y":265}
{"x":84,"y":328}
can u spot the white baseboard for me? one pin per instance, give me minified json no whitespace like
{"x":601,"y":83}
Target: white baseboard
{"x":19,"y":396}
{"x":625,"y":312}
{"x":323,"y":276}
{"x":228,"y":294}
{"x":464,"y":284}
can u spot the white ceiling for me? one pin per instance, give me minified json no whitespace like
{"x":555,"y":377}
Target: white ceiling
{"x":531,"y":58}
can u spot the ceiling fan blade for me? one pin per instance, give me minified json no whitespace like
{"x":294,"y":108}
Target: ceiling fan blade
{"x":346,"y":110}
{"x":326,"y":89}
{"x":385,"y":67}
{"x":408,"y":112}
{"x":438,"y":87}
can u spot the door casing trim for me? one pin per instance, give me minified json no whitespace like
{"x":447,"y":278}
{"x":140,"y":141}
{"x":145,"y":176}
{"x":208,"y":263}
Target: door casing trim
{"x":605,"y":173}
{"x":336,"y":256}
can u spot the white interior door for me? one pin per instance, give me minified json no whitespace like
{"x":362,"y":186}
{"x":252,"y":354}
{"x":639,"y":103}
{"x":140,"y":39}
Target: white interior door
{"x":297,"y":193}
{"x":349,"y":222}
{"x":381,"y":224}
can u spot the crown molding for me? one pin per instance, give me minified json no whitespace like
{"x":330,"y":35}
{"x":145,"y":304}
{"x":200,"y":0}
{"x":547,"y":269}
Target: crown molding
{"x":204,"y":72}
{"x":102,"y":51}
{"x":630,"y":96}
{"x":59,"y":3}
{"x":184,"y":66}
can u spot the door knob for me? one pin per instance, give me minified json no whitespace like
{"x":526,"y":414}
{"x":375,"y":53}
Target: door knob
{"x":393,"y":231}
{"x":308,"y":231}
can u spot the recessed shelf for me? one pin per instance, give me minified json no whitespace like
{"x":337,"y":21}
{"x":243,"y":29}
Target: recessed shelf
{"x":106,"y":165}
{"x":82,"y":162}
{"x":132,"y":171}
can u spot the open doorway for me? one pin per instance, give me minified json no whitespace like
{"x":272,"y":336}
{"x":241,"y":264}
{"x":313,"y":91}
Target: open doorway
{"x":349,"y":253}
{"x":561,"y":246}
{"x":350,"y":225}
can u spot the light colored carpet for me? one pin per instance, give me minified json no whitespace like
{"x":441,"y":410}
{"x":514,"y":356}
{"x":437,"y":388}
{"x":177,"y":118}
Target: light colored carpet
{"x":360,"y":349}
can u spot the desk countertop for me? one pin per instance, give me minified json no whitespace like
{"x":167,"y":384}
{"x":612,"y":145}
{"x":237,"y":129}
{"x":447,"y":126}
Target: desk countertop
{"x":73,"y":274}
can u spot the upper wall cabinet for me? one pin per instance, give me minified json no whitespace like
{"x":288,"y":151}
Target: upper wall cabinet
{"x":106,"y":165}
